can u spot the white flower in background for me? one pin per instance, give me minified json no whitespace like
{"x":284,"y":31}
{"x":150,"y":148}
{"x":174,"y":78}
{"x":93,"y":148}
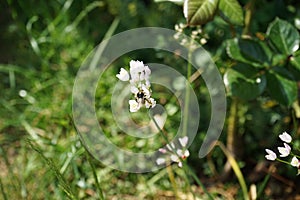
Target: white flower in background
{"x":138,"y":78}
{"x":284,"y":151}
{"x":285,"y":137}
{"x":295,"y":162}
{"x":123,"y":75}
{"x":176,"y":154}
{"x":271,"y":155}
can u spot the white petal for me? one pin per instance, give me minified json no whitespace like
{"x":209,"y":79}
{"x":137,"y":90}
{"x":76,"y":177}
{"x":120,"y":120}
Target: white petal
{"x":284,"y":151}
{"x":174,"y":158}
{"x":153,"y":102}
{"x":183,"y":141}
{"x":285,"y":137}
{"x":123,"y":75}
{"x":134,"y":106}
{"x":170,"y":146}
{"x":136,"y":66}
{"x":295,"y":162}
{"x":186,"y":153}
{"x":180,"y":164}
{"x":271,"y":155}
{"x":185,"y":9}
{"x":179,"y":152}
{"x":134,"y":89}
{"x":162,"y":150}
{"x":160,"y":161}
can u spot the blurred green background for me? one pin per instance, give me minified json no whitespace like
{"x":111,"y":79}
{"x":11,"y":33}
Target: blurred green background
{"x":42,"y":45}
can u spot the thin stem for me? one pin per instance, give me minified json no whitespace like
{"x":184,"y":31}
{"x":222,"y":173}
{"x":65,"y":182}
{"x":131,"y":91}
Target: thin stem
{"x":169,"y":167}
{"x":172,"y":180}
{"x":192,"y":173}
{"x":187,"y":168}
{"x":100,"y":192}
{"x":187,"y":93}
{"x":161,"y":131}
{"x":283,"y":161}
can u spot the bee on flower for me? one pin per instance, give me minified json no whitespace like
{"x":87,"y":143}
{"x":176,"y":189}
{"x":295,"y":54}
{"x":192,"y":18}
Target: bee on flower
{"x":138,"y":77}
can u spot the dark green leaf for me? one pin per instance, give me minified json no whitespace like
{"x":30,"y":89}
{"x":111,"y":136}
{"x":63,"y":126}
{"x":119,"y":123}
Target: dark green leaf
{"x":244,"y":82}
{"x":199,"y":12}
{"x":295,"y":61}
{"x":283,"y":36}
{"x":255,"y":50}
{"x":294,"y":66}
{"x":232,"y":11}
{"x":282,"y":86}
{"x":255,"y":53}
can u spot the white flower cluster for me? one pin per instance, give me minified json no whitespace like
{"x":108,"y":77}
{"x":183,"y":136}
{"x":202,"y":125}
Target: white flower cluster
{"x":284,"y":151}
{"x":138,"y":77}
{"x":176,"y":154}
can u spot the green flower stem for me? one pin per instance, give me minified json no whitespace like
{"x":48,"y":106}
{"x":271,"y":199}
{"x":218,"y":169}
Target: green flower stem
{"x":192,"y":173}
{"x":283,"y":161}
{"x":169,"y":167}
{"x":172,"y":180}
{"x":161,"y":131}
{"x":187,"y":93}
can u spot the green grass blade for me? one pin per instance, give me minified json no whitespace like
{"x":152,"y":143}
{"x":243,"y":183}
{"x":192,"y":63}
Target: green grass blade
{"x":63,"y":183}
{"x":2,"y":190}
{"x":100,"y":192}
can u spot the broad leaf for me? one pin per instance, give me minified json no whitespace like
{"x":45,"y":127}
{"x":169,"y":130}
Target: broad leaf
{"x":283,"y":36}
{"x":178,"y":2}
{"x":248,"y":52}
{"x":244,"y":82}
{"x":282,"y":86}
{"x":232,"y":12}
{"x":255,"y":50}
{"x":199,"y":12}
{"x":294,"y":66}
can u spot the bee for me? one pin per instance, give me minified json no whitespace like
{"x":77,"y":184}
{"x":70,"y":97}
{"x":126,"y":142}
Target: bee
{"x":141,"y":97}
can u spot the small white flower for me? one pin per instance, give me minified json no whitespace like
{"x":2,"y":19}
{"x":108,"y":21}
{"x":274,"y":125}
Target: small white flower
{"x":285,"y":137}
{"x":123,"y":75}
{"x":176,"y":154}
{"x":284,"y":151}
{"x":295,"y":162}
{"x":140,"y":85}
{"x":160,"y":161}
{"x":183,"y":153}
{"x":134,"y":106}
{"x":183,"y":141}
{"x":136,"y":66}
{"x":150,"y":103}
{"x":271,"y":155}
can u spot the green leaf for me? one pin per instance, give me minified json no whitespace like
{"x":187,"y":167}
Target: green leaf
{"x":178,"y":2}
{"x":255,"y":50}
{"x":244,"y":82}
{"x":255,"y":53}
{"x":283,"y":36}
{"x":199,"y":12}
{"x":232,"y":12}
{"x":282,"y":86}
{"x":295,"y":61}
{"x":294,"y":66}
